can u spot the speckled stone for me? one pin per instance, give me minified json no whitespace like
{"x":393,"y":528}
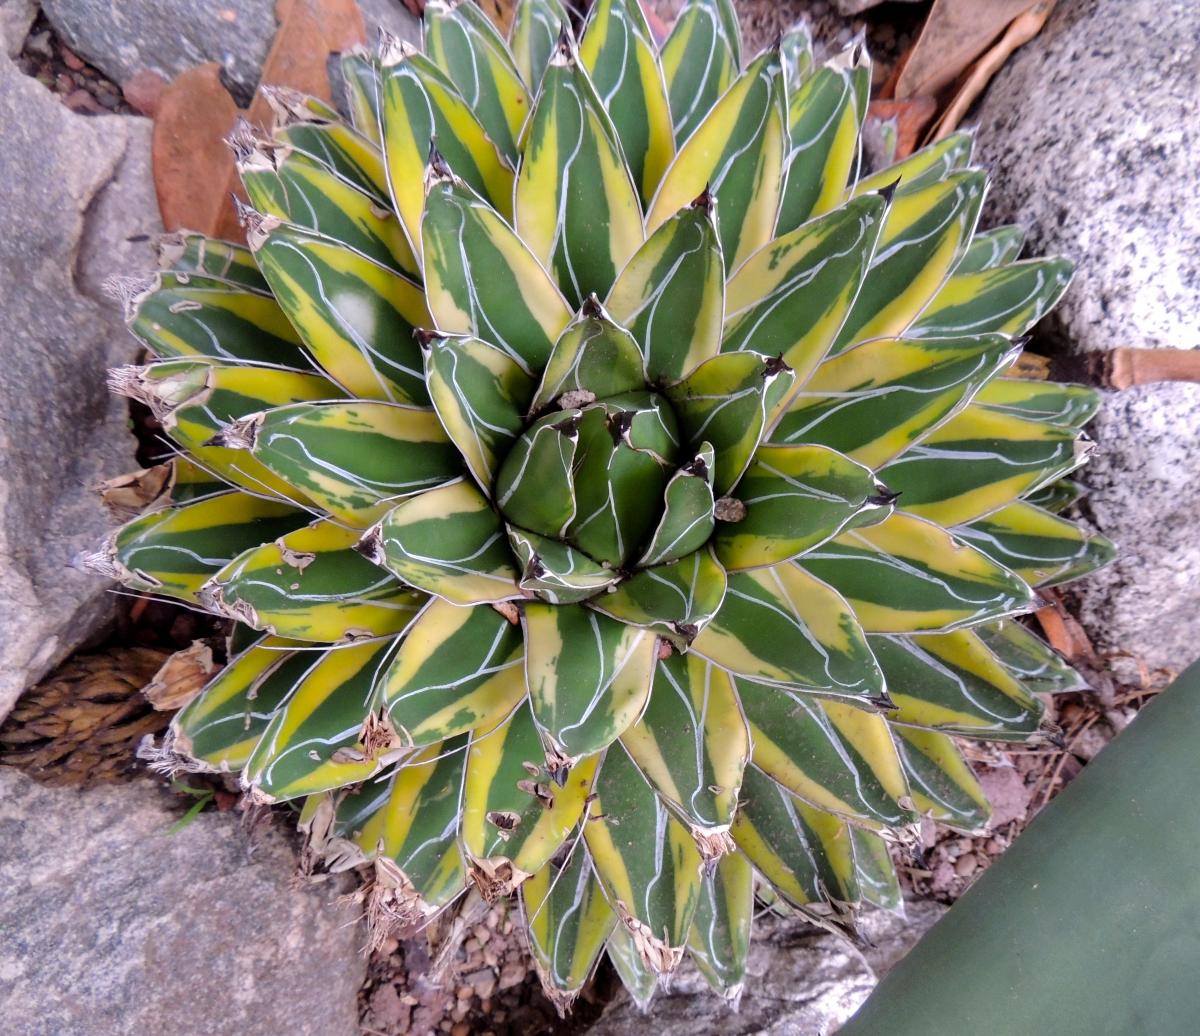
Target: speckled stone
{"x":1092,"y":136}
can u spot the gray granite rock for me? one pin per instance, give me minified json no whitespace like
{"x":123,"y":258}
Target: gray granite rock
{"x":1144,"y":492}
{"x":800,"y":982}
{"x":121,"y":37}
{"x":112,"y":925}
{"x":72,"y":191}
{"x":1091,"y":133}
{"x":16,"y":16}
{"x":1090,"y":130}
{"x":391,"y":16}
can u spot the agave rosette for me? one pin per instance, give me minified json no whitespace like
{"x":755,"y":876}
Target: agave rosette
{"x":624,"y":501}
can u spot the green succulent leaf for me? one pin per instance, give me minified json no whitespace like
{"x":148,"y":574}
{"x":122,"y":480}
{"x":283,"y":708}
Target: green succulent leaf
{"x":448,"y":542}
{"x":481,"y":279}
{"x":457,"y":669}
{"x":671,"y":294}
{"x":1070,"y":405}
{"x":796,"y":497}
{"x":354,"y":459}
{"x":618,"y":51}
{"x":312,"y":743}
{"x":1038,"y":667}
{"x":221,"y":725}
{"x":655,"y":894}
{"x":796,"y":52}
{"x":872,"y":402}
{"x":688,"y":512}
{"x":942,"y":784}
{"x":594,"y":357}
{"x":692,"y":744}
{"x":990,"y":249}
{"x":929,"y":165}
{"x":736,"y":154}
{"x":700,"y":59}
{"x":461,"y":39}
{"x":350,"y":154}
{"x":534,"y":488}
{"x":588,"y":678}
{"x":875,"y":875}
{"x":312,"y":585}
{"x":363,"y":79}
{"x":638,"y":978}
{"x":188,"y":252}
{"x":782,"y":626}
{"x":355,"y":317}
{"x":719,"y":940}
{"x":951,"y":682}
{"x":907,"y":574}
{"x":556,"y":572}
{"x":576,"y":206}
{"x":535,"y":31}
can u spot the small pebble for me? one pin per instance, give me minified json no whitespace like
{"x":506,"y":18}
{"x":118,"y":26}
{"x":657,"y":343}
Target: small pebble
{"x":72,"y":60}
{"x":966,"y":865}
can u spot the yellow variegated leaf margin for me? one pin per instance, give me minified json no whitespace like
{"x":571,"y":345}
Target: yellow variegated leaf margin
{"x":700,"y":59}
{"x":535,"y":30}
{"x":941,"y":781}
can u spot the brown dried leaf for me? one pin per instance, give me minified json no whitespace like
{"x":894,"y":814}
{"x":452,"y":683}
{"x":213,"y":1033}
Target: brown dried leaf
{"x":912,"y":116}
{"x":181,"y":677}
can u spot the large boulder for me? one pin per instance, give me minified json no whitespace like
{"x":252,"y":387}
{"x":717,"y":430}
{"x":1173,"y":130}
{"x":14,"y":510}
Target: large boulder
{"x":115,"y":924}
{"x":799,"y":980}
{"x":1091,"y":136}
{"x":76,"y":206}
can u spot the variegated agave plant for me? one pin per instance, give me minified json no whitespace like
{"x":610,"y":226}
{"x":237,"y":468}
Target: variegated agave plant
{"x":630,"y":500}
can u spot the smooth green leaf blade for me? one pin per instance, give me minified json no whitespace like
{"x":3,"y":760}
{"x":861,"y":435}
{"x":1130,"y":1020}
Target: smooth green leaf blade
{"x":185,"y":252}
{"x":588,"y":678}
{"x":363,"y":80}
{"x":909,"y":575}
{"x":534,"y":488}
{"x":874,"y":872}
{"x":638,"y":978}
{"x":535,"y":31}
{"x":556,"y":572}
{"x":719,"y":940}
{"x":349,"y":153}
{"x":1049,"y":401}
{"x":992,"y":248}
{"x":943,"y":786}
{"x":700,"y":59}
{"x":688,"y":518}
{"x":796,"y":51}
{"x":782,"y":626}
{"x":930,"y":165}
{"x":448,"y":542}
{"x":593,"y":357}
{"x":1039,"y":668}
{"x":457,"y":669}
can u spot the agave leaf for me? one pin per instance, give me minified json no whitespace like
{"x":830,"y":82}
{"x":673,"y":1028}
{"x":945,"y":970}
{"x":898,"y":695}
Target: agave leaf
{"x":1049,"y":401}
{"x":692,"y":745}
{"x":618,"y":51}
{"x":534,"y":487}
{"x":676,"y":600}
{"x":1040,"y":547}
{"x":462,"y":40}
{"x":1056,"y":497}
{"x":638,"y":978}
{"x":990,"y":249}
{"x":908,"y":575}
{"x":930,"y":165}
{"x":796,"y":52}
{"x":457,"y":669}
{"x":736,"y":154}
{"x":448,"y":542}
{"x":796,"y":497}
{"x":363,"y":80}
{"x":953,"y":683}
{"x":188,"y":252}
{"x":588,"y":678}
{"x":568,"y":921}
{"x":979,"y":461}
{"x":354,"y":459}
{"x":791,"y":297}
{"x":943,"y":786}
{"x":411,"y":818}
{"x":576,"y":207}
{"x":835,"y":756}
{"x":355,"y":316}
{"x":1039,"y":668}
{"x":420,"y":105}
{"x":671,"y":294}
{"x":700,"y":59}
{"x":535,"y":31}
{"x":874,"y":400}
{"x":725,"y":402}
{"x":1008,"y":300}
{"x":926,"y":234}
{"x":291,"y":187}
{"x":719,"y":939}
{"x":221,"y":725}
{"x":353,"y":156}
{"x":186,"y":314}
{"x":312,"y":742}
{"x":823,"y":145}
{"x":772,"y":830}
{"x":593,"y":355}
{"x":874,"y":873}
{"x":174,"y":551}
{"x":555,"y":571}
{"x":646,"y":860}
{"x":481,"y":395}
{"x":481,"y":279}
{"x":782,"y":626}
{"x":688,"y":512}
{"x":514,"y":816}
